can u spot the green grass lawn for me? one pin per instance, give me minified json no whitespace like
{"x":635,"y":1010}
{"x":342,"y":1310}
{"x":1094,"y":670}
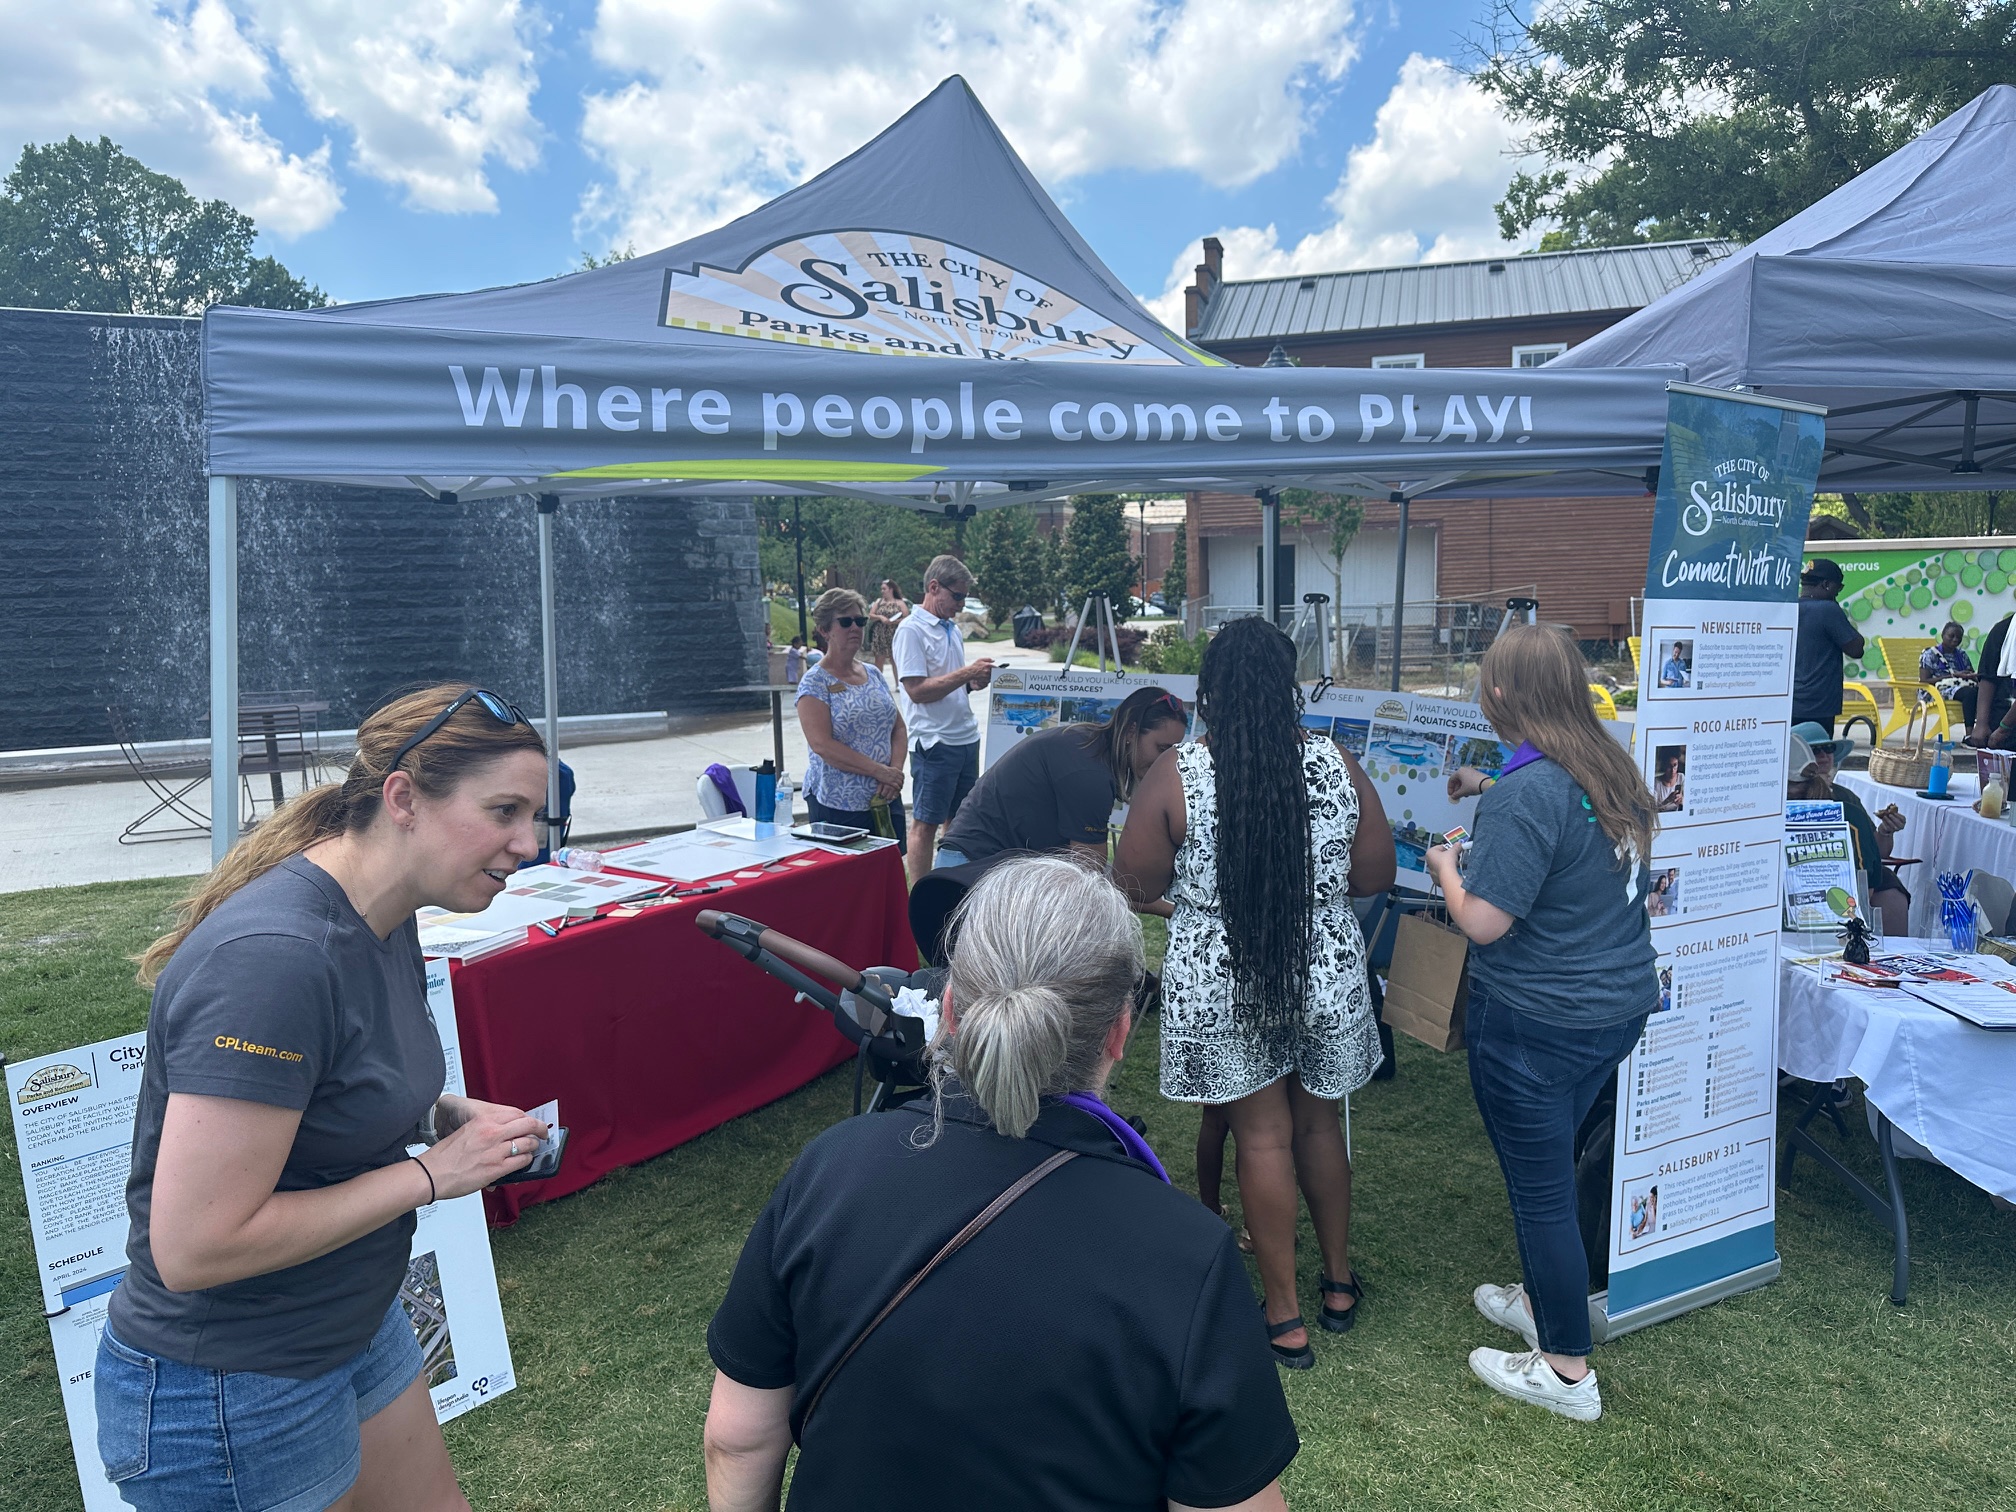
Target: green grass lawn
{"x":1813,"y":1392}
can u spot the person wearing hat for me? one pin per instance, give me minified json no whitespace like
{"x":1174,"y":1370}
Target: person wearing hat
{"x":1815,"y":757}
{"x":1826,"y":636}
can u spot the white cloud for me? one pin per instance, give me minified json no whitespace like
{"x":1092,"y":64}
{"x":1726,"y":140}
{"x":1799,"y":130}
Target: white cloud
{"x":733,"y":101}
{"x":1421,"y":190}
{"x":166,"y":84}
{"x":431,"y":90}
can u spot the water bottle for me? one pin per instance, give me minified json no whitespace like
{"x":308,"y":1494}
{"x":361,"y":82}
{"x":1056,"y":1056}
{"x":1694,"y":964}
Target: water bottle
{"x":783,"y":810}
{"x":575,"y":858}
{"x":1942,"y":770}
{"x":766,"y":800}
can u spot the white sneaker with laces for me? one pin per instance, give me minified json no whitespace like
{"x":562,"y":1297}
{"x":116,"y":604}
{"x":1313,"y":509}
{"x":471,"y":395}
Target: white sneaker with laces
{"x":1529,"y":1378}
{"x":1506,"y":1306}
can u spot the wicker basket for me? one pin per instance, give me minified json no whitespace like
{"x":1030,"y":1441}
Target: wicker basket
{"x":1906,"y":768}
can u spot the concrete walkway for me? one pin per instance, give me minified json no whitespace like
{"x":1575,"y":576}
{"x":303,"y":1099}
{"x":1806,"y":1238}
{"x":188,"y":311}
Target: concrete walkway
{"x":63,"y":836}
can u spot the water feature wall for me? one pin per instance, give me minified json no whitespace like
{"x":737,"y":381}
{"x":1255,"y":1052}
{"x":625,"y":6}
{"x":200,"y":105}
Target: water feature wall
{"x":350,"y":592}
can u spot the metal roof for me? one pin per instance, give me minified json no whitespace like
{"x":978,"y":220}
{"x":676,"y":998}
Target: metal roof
{"x":1428,"y":294}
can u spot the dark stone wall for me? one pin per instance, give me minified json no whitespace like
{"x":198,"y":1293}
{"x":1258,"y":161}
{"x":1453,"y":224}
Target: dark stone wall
{"x":104,"y":576}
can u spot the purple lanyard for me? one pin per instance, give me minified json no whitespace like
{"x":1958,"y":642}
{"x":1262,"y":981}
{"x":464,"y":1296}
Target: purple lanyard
{"x":1135,"y":1146}
{"x":1526,"y":755}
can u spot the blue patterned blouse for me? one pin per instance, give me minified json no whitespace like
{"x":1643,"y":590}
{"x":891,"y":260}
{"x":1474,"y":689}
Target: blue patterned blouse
{"x":864,"y":719}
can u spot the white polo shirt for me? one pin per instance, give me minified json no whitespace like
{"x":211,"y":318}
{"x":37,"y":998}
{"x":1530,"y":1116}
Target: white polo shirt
{"x":927,"y":646}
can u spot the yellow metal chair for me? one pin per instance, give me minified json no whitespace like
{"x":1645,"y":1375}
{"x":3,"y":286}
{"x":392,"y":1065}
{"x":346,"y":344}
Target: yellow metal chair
{"x":1606,"y":706}
{"x":1635,"y":642}
{"x":1859,"y":706}
{"x":1908,"y":691}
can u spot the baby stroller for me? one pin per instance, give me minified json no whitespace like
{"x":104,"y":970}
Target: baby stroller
{"x":887,"y":1043}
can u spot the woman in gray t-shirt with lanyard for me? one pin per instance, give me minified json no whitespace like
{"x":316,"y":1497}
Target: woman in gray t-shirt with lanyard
{"x":255,"y":1355}
{"x":1562,"y":977}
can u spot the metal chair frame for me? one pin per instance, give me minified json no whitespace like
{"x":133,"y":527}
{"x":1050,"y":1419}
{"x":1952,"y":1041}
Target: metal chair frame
{"x":170,"y":783}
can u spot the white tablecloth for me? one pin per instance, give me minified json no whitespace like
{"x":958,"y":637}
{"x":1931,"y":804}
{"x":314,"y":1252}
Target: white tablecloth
{"x":1944,"y":836}
{"x":1947,"y":1085}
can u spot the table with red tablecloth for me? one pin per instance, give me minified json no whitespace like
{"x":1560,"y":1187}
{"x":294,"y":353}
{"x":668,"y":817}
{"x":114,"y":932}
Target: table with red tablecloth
{"x":649,"y":1033}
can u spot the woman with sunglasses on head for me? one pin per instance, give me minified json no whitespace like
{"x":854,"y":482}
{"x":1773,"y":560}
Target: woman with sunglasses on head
{"x":853,"y":730}
{"x":255,"y":1355}
{"x":1055,"y":790}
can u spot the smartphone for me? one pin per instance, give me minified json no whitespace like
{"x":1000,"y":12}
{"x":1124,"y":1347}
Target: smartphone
{"x":544,"y":1164}
{"x":829,"y":832}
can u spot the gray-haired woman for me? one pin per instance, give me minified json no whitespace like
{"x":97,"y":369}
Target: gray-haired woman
{"x":1108,"y":1316}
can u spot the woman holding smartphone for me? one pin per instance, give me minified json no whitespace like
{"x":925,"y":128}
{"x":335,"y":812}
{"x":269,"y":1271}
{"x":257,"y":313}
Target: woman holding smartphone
{"x":1562,"y":978}
{"x":255,"y":1357}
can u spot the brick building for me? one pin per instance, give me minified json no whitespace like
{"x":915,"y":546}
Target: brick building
{"x":1584,"y":559}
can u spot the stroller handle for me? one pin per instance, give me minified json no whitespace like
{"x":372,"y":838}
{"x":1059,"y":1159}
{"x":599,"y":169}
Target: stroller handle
{"x":737,"y":931}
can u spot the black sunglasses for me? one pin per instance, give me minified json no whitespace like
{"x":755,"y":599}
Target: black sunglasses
{"x":500,"y":709}
{"x":852,"y":621}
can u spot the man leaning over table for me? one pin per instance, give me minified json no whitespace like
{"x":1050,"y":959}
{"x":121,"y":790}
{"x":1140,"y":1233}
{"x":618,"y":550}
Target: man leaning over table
{"x":932,"y":670}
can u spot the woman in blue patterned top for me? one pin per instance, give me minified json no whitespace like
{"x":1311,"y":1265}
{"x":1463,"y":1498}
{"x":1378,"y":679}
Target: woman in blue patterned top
{"x":852,"y":726}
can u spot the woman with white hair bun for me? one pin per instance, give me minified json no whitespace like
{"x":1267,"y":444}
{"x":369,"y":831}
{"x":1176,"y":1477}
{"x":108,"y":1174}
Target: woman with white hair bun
{"x":1009,"y":1240}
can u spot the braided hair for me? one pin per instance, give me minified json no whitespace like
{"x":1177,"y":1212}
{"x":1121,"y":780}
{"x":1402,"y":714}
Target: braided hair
{"x":1252,"y":709}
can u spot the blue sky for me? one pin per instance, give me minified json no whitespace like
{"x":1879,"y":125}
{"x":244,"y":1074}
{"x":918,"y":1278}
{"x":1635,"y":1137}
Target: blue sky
{"x":392,"y":147}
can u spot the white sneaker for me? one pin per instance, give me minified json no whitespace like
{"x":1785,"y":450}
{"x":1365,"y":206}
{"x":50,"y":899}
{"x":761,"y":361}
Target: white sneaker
{"x":1506,"y":1306}
{"x":1529,"y":1378}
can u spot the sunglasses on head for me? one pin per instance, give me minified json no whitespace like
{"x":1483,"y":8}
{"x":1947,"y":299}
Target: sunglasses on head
{"x":851,"y":621}
{"x":500,"y":709}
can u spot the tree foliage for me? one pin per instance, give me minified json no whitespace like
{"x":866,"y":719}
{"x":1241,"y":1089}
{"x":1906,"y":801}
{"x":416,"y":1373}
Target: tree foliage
{"x":1006,"y":556}
{"x":83,"y":226}
{"x":1668,"y":119}
{"x":849,"y":544}
{"x":1176,"y":577}
{"x":1095,"y":553}
{"x":1894,"y":515}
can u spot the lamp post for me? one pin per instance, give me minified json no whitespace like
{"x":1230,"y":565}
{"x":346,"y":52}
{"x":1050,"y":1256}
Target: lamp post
{"x":797,"y":532}
{"x":1141,"y":512}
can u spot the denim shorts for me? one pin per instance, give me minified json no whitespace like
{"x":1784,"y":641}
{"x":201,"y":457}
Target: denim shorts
{"x":940,"y":778}
{"x":184,"y":1438}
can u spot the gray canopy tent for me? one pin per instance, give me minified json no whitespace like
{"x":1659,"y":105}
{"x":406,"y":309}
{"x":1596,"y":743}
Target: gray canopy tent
{"x":918,"y":326}
{"x":1892,"y":302}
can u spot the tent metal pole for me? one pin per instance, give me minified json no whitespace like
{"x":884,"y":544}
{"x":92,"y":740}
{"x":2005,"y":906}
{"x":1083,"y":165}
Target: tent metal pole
{"x":549,"y":647}
{"x":223,"y":666}
{"x":1270,"y":555}
{"x":1399,"y":587}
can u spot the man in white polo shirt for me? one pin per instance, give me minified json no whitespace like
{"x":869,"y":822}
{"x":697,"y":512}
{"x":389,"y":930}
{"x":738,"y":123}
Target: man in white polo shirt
{"x":931,"y":668}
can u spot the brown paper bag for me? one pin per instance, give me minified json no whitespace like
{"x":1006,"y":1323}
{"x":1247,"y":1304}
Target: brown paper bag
{"x":1428,"y":985}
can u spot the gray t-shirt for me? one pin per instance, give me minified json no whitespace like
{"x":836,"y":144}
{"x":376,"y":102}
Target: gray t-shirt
{"x":285,"y":996}
{"x":1052,"y":789}
{"x":1580,"y":952}
{"x":1824,"y":631}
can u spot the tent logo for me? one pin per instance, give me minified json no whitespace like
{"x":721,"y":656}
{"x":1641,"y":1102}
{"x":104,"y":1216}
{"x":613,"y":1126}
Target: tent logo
{"x":890,"y":293}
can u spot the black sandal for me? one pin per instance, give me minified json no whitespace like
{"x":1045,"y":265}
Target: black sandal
{"x":1292,"y":1359}
{"x":1341,"y":1322}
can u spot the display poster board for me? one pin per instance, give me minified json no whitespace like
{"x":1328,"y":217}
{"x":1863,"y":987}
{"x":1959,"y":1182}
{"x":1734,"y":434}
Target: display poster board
{"x":1022,"y":702}
{"x":1692,"y":1197}
{"x":1820,"y":874}
{"x":1912,"y":588}
{"x":73,"y":1126}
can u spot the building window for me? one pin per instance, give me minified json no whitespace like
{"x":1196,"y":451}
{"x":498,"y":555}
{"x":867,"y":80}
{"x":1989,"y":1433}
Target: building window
{"x":1537,"y":356}
{"x":1404,"y":359}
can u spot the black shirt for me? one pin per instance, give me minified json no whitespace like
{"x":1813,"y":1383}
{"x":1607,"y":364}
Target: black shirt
{"x":1096,"y":1346}
{"x":285,"y":996}
{"x":1052,"y":789}
{"x":1825,"y":633}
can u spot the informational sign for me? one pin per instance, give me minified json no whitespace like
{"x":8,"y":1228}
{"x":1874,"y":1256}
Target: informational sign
{"x":1692,"y":1200}
{"x":1408,"y":744}
{"x":1022,"y":702}
{"x":73,"y":1125}
{"x":1820,"y":874}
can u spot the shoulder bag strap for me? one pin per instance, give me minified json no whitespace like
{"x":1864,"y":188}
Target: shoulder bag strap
{"x":986,"y":1216}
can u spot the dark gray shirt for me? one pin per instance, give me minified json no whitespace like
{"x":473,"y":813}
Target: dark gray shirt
{"x":1579,"y":953}
{"x":1050,"y":790}
{"x":285,"y":996}
{"x":1824,"y":632}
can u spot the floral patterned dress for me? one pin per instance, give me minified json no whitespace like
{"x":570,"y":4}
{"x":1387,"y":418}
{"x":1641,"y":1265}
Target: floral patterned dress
{"x":1217,"y":1048}
{"x":864,"y":719}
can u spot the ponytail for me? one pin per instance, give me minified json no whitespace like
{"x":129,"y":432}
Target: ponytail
{"x":1047,"y":955}
{"x":472,"y":738}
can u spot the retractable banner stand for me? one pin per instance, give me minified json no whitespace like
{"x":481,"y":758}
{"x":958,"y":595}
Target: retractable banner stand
{"x":73,"y":1125}
{"x":1692,"y":1197}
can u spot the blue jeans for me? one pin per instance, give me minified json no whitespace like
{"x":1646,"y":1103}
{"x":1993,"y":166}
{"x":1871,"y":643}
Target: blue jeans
{"x":1535,"y":1082}
{"x":184,"y":1438}
{"x":940,"y":778}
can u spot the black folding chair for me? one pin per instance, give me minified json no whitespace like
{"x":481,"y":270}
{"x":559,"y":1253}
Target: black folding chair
{"x":170,"y":783}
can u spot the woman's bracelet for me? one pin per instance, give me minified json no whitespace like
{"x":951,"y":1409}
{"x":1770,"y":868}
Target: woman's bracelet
{"x":433,"y":1195}
{"x":1487,"y":782}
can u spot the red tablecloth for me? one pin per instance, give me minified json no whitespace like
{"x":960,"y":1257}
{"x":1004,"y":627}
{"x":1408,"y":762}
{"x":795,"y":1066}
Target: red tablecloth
{"x":650,"y":1034}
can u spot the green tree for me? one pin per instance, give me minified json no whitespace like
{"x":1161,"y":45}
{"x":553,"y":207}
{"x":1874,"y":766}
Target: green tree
{"x":1007,"y":561}
{"x":1176,"y":578}
{"x":850,"y":544}
{"x":1666,"y":119}
{"x":1095,"y":554}
{"x":1055,"y":577}
{"x":1921,"y":514}
{"x":83,"y":226}
{"x":1337,"y":520}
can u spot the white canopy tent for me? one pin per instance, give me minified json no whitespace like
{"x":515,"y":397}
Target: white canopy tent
{"x":918,"y":326}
